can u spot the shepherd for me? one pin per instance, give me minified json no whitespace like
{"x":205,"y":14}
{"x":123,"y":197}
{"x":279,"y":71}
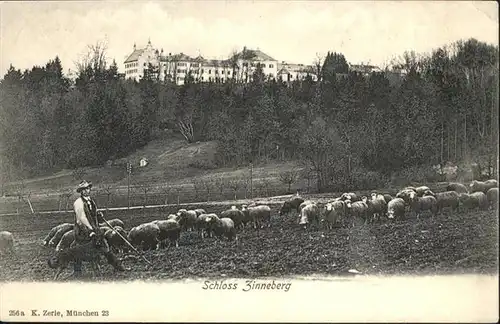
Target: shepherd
{"x":87,"y":230}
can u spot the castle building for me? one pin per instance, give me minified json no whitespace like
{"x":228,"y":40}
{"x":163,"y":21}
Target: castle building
{"x":179,"y":68}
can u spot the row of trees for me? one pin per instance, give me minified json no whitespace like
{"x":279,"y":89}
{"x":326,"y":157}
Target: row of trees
{"x":345,"y":125}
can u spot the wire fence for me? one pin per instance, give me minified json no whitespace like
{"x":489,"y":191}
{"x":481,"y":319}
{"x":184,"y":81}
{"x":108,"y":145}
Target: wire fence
{"x":108,"y":196}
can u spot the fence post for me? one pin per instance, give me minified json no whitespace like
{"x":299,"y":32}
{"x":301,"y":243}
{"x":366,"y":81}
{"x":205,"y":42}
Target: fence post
{"x":251,"y":180}
{"x":129,"y":171}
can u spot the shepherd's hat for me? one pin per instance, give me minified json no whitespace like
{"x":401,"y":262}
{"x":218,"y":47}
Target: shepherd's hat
{"x":83,"y":185}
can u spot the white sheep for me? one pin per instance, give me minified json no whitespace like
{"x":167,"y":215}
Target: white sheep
{"x":6,"y":242}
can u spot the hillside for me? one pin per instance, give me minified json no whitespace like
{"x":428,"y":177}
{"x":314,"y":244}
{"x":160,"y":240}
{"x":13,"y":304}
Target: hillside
{"x":170,"y":160}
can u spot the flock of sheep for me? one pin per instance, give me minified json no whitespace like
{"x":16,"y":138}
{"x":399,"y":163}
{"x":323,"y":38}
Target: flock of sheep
{"x":156,"y":234}
{"x":349,"y":208}
{"x":346,"y":210}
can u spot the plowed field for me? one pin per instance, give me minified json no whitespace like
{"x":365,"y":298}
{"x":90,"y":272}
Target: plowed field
{"x":449,"y":243}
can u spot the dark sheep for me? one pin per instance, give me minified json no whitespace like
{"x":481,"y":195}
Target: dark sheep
{"x":53,"y":231}
{"x":247,"y":218}
{"x":291,"y":204}
{"x":114,"y":240}
{"x":457,"y":187}
{"x":66,"y":240}
{"x":84,"y":252}
{"x":114,"y":222}
{"x":169,"y":230}
{"x":236,"y":215}
{"x":144,"y":236}
{"x":59,"y":234}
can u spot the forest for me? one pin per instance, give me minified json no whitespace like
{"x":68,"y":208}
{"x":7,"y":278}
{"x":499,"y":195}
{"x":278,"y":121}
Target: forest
{"x":348,"y":129}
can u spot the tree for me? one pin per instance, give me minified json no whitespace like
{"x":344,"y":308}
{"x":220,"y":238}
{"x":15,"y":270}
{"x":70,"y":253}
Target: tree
{"x":234,"y":185}
{"x":321,"y":146}
{"x":92,"y":63}
{"x":288,"y":178}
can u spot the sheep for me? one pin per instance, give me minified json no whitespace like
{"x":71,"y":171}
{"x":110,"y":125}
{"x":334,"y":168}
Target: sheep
{"x":474,"y":200}
{"x":175,"y":217}
{"x":334,"y":212}
{"x":421,"y":190}
{"x":350,"y":196}
{"x":83,"y":252}
{"x":377,"y":206}
{"x":114,"y":240}
{"x":224,"y":227}
{"x":396,"y":209}
{"x":477,"y":186}
{"x":54,"y":230}
{"x":246,"y":219}
{"x":420,"y":204}
{"x":66,"y":240}
{"x":145,"y":235}
{"x":59,"y":234}
{"x":169,"y":229}
{"x":405,"y":194}
{"x":200,"y":211}
{"x":204,"y":224}
{"x":187,"y":219}
{"x":288,"y":205}
{"x":357,"y":210}
{"x":445,"y":199}
{"x":6,"y":242}
{"x":304,"y":203}
{"x":258,"y":215}
{"x":492,"y":195}
{"x":387,"y":198}
{"x":309,"y":214}
{"x":235,"y":214}
{"x":458,"y":187}
{"x":113,"y":222}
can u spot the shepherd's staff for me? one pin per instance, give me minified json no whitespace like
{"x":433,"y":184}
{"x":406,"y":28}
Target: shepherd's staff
{"x":126,"y":241}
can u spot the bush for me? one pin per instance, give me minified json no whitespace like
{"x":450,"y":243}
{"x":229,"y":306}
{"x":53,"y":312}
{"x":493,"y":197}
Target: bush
{"x":416,"y":175}
{"x":359,"y":179}
{"x":202,"y":165}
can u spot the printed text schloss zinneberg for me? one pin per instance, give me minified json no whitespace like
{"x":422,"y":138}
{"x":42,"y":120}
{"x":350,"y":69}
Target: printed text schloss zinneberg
{"x":247,"y":286}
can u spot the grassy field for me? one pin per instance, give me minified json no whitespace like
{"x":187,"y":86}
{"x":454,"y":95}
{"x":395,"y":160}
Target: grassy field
{"x":177,"y":172}
{"x":176,"y":177}
{"x":465,"y":242}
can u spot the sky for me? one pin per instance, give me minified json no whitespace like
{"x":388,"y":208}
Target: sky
{"x":32,"y":33}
